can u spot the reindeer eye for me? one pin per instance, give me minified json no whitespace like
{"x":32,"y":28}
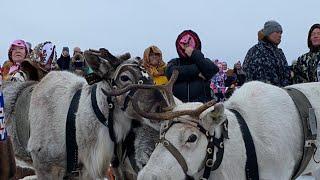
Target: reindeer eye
{"x":192,"y":138}
{"x":124,"y":78}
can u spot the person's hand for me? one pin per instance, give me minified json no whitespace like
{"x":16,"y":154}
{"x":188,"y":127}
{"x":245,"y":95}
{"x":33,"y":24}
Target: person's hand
{"x":189,"y":51}
{"x":201,"y":76}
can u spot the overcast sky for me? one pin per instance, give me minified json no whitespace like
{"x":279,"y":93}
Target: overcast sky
{"x":227,"y":29}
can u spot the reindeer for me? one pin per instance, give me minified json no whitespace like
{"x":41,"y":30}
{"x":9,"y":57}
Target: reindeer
{"x":46,"y":107}
{"x":270,"y":115}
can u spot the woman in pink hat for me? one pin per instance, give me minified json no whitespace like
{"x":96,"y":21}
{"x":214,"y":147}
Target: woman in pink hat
{"x":18,"y":51}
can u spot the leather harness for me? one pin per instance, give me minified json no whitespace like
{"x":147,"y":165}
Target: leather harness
{"x":208,"y":163}
{"x":308,"y":120}
{"x":73,"y":167}
{"x":251,"y":167}
{"x":309,"y":126}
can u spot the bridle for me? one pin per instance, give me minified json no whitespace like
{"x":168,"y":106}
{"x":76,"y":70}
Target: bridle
{"x":142,"y":80}
{"x":208,"y":164}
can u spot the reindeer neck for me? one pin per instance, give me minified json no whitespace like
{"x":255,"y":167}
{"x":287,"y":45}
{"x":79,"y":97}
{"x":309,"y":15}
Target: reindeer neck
{"x":117,"y":122}
{"x":234,"y":152}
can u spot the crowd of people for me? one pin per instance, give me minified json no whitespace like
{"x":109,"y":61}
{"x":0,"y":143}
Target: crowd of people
{"x":200,"y":79}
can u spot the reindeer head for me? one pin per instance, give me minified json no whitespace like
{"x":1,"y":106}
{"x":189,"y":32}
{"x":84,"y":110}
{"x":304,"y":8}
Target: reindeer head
{"x":183,"y":134}
{"x":123,"y":78}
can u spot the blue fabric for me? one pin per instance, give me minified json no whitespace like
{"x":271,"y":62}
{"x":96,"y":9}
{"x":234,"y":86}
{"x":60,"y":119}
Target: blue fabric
{"x":3,"y":131}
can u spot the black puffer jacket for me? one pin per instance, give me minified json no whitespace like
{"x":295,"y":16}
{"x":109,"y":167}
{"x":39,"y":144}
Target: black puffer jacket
{"x":64,"y":62}
{"x":190,"y":87}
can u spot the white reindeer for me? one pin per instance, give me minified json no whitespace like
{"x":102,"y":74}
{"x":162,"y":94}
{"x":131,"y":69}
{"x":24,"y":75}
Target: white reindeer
{"x":47,"y":110}
{"x":272,"y":119}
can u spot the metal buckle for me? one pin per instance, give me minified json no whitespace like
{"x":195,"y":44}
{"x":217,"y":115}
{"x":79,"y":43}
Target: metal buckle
{"x":221,"y":145}
{"x":110,"y":106}
{"x":165,"y":143}
{"x":309,"y":143}
{"x":312,"y":121}
{"x":140,"y":82}
{"x":75,"y":173}
{"x":209,"y":162}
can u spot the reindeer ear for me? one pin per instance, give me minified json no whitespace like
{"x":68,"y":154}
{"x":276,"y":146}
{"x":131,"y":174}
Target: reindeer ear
{"x":213,"y":115}
{"x":100,"y":66}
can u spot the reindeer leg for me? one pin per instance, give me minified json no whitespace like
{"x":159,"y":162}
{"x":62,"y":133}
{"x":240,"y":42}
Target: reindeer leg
{"x":7,"y":160}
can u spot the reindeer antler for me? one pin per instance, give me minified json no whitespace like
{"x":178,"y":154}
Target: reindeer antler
{"x":169,"y":115}
{"x":166,"y":90}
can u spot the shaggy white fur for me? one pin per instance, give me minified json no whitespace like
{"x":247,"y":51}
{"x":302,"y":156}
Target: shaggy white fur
{"x":274,"y":124}
{"x":49,"y":106}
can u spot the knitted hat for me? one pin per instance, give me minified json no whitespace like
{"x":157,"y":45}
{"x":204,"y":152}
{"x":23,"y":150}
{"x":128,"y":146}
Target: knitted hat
{"x":270,"y":27}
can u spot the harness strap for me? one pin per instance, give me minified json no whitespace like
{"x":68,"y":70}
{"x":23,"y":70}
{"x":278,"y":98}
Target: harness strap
{"x":309,"y":124}
{"x":106,"y":122}
{"x":176,"y":154}
{"x":219,"y":156}
{"x":212,"y":142}
{"x":127,"y":99}
{"x":71,"y":142}
{"x":92,"y":78}
{"x":209,"y":159}
{"x":252,"y":168}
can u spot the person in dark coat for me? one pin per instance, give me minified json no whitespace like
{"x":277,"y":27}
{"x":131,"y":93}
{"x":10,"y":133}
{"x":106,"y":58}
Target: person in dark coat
{"x":64,"y":61}
{"x":265,"y":61}
{"x":240,"y":74}
{"x":195,"y":71}
{"x":305,"y":68}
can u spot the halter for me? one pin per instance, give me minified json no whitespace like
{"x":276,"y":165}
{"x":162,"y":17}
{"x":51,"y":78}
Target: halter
{"x":208,"y":163}
{"x":145,"y":77}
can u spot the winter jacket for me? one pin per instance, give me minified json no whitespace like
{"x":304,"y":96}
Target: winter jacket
{"x":267,"y":63}
{"x":190,"y":87}
{"x":305,"y":70}
{"x":218,"y":82}
{"x":64,"y":62}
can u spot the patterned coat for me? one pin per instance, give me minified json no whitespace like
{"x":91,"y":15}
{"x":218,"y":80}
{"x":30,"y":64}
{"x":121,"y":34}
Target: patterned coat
{"x":267,"y":63}
{"x":305,"y":70}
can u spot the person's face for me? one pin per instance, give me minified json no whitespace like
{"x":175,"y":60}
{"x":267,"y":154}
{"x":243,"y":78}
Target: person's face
{"x":65,"y":53}
{"x":275,"y":37}
{"x":315,"y":37}
{"x":75,"y":52}
{"x":220,"y":67}
{"x":154,"y":59}
{"x":238,"y":66}
{"x":18,"y":54}
{"x":224,"y":66}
